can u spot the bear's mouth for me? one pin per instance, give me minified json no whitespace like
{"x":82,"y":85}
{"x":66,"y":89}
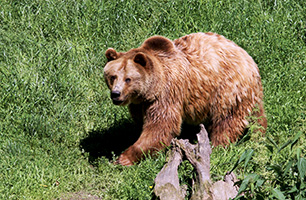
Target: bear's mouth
{"x":117,"y":102}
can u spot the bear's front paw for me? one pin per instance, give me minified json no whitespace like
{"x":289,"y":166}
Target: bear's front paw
{"x":124,"y":160}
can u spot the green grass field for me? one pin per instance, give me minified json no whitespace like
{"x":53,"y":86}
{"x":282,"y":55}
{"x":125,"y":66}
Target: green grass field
{"x":59,"y":131}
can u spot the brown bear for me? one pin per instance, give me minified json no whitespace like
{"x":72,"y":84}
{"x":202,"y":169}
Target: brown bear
{"x":201,"y":77}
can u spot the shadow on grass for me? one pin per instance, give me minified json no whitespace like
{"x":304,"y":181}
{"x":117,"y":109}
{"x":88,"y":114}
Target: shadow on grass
{"x":113,"y":140}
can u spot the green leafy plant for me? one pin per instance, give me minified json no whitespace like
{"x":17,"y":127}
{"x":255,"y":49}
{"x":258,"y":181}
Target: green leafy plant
{"x":289,"y":175}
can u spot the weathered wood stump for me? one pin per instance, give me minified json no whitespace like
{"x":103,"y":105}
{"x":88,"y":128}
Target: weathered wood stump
{"x":167,"y":185}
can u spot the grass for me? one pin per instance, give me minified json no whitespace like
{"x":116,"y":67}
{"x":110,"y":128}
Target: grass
{"x":59,"y":131}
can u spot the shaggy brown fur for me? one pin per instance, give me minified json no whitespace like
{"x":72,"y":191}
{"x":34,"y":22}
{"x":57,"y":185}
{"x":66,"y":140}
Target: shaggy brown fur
{"x":201,"y":77}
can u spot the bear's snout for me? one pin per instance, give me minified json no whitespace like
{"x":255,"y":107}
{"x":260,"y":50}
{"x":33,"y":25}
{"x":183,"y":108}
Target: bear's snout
{"x":115,"y":97}
{"x":115,"y":94}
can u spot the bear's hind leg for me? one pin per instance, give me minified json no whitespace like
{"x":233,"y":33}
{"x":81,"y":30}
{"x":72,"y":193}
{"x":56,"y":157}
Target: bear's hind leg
{"x":261,"y":118}
{"x":226,"y":130}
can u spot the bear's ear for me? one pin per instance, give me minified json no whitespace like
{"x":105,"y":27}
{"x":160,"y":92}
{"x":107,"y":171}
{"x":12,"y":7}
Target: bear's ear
{"x":111,"y":54}
{"x":158,"y":43}
{"x":141,"y":59}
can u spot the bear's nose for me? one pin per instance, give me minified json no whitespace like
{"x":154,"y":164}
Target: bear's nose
{"x":115,"y":94}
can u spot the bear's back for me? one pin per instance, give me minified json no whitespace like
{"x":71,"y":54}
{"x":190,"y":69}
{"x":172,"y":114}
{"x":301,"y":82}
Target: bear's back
{"x":220,"y":75}
{"x":216,"y":53}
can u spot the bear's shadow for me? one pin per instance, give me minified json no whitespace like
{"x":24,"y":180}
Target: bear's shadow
{"x":111,"y":141}
{"x":114,"y":140}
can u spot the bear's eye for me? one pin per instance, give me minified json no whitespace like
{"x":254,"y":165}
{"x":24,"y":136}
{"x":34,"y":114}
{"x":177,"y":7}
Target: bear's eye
{"x":112,"y":78}
{"x":127,"y":80}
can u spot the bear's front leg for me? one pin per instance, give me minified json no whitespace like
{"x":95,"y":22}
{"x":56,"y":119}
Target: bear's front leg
{"x":150,"y":141}
{"x":157,"y":134}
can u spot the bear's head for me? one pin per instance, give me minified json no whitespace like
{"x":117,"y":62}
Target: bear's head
{"x":133,"y":76}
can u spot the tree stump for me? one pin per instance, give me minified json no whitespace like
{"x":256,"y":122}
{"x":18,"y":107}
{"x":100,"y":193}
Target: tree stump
{"x":167,"y":185}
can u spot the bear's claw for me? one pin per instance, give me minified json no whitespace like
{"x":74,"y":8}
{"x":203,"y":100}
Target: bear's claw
{"x":124,"y":160}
